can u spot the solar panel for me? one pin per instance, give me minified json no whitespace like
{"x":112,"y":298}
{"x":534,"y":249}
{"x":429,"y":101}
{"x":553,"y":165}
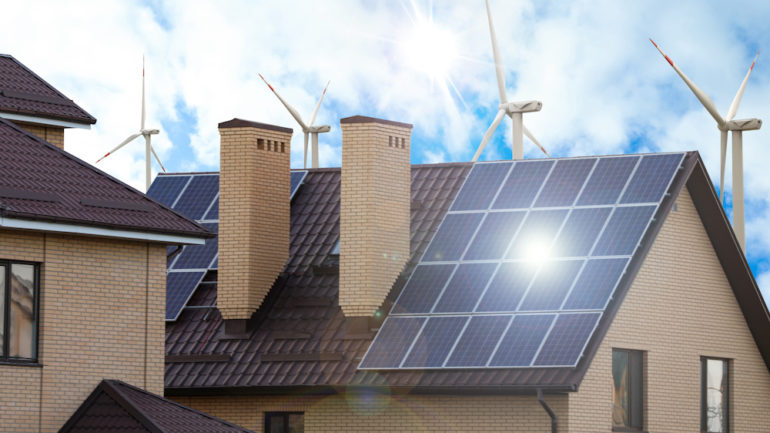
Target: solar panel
{"x":392,"y":341}
{"x":198,"y":195}
{"x":213,"y":212}
{"x":525,"y":261}
{"x":198,"y":256}
{"x":297,"y":177}
{"x":480,"y":186}
{"x":179,"y":288}
{"x":165,"y":189}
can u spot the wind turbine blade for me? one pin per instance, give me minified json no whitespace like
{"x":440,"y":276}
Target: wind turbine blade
{"x":143,"y":112}
{"x":498,"y":62}
{"x":291,"y":109}
{"x":157,"y":159}
{"x":488,"y":134}
{"x":722,"y":156}
{"x":532,"y":137}
{"x":318,"y":105}
{"x":700,"y":94}
{"x":737,"y":100}
{"x":125,"y":142}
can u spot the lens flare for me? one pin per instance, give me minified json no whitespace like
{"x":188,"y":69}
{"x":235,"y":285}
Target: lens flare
{"x":429,"y":49}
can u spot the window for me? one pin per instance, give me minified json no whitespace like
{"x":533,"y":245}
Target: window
{"x":18,"y":311}
{"x":284,"y":422}
{"x":714,"y":396}
{"x":627,"y":397}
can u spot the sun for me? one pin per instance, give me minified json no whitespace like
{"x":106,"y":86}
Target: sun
{"x":429,"y":49}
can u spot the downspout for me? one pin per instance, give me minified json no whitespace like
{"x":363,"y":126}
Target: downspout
{"x":554,"y":419}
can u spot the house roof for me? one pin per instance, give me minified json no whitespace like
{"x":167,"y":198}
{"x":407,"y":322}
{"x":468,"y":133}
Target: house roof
{"x":43,"y":184}
{"x":300,"y":338}
{"x":24,"y":92}
{"x":118,"y":407}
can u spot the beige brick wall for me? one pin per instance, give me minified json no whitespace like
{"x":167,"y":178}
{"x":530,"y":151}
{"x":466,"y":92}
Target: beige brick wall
{"x":374,"y":213}
{"x":254,"y":216}
{"x":51,"y":134}
{"x":102,"y":312}
{"x":679,"y":308}
{"x":396,"y":413}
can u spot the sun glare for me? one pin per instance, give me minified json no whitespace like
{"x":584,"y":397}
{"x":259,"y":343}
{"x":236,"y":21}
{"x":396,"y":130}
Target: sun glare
{"x":538,"y":252}
{"x":429,"y":49}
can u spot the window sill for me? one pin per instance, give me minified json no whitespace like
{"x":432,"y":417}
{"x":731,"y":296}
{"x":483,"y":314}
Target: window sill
{"x":20,"y":363}
{"x":628,"y":429}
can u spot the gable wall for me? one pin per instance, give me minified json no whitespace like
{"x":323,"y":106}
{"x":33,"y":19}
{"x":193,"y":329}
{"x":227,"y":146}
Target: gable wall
{"x":51,"y":134}
{"x":95,"y":322}
{"x":680,"y":308}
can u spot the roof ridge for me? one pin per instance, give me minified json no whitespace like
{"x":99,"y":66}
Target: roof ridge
{"x":125,"y":402}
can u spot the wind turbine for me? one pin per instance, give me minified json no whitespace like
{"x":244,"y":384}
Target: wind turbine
{"x":727,"y":124}
{"x":307,"y":129}
{"x":146,"y":133}
{"x":514,"y":110}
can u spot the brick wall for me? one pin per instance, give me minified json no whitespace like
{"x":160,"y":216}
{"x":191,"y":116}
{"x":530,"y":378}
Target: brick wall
{"x":374,"y":212}
{"x":254,"y":208}
{"x":102,"y":310}
{"x":679,"y":308}
{"x":51,"y":134}
{"x":396,"y":413}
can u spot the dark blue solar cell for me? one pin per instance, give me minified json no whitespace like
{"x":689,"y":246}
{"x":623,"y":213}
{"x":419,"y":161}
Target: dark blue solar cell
{"x":537,"y":234}
{"x":494,"y":236}
{"x":565,"y":182}
{"x":180,"y":286}
{"x":478,"y":341}
{"x":423,"y":289}
{"x":595,"y":284}
{"x":551,"y":285}
{"x":651,"y":178}
{"x":213,"y":213}
{"x":297,"y":177}
{"x":623,"y":231}
{"x":580,"y":232}
{"x":465,"y":288}
{"x":607,"y":180}
{"x":522,"y":340}
{"x":198,"y":196}
{"x":216,"y":264}
{"x":507,"y":287}
{"x":437,"y":338}
{"x":393,"y":340}
{"x":522,"y":185}
{"x":198,"y":256}
{"x":452,"y":237}
{"x":567,"y":338}
{"x":165,"y":189}
{"x":481,"y":186}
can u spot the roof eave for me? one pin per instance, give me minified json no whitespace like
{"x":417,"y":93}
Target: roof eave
{"x":43,"y":120}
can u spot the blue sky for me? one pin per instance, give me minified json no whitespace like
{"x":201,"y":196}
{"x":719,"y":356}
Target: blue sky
{"x":604,"y":87}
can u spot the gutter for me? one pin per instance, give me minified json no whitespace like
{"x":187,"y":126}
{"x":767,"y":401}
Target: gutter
{"x":44,"y":121}
{"x":554,"y":418}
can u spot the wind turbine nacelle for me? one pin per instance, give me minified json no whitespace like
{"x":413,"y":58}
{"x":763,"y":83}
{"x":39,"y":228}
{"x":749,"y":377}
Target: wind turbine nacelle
{"x":150,"y":131}
{"x":322,"y":128}
{"x":521,"y":106}
{"x":743,"y":124}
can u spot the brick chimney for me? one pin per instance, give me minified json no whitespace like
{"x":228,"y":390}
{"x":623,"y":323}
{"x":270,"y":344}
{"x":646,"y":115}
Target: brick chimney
{"x":254,"y":222}
{"x":374,"y":211}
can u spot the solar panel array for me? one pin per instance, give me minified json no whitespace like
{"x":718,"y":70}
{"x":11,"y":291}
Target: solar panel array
{"x":197,"y":197}
{"x":524,"y":264}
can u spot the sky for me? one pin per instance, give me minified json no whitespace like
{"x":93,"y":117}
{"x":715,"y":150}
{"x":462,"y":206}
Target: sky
{"x":604,"y":87}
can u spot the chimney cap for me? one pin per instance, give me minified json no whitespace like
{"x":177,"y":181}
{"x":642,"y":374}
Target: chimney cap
{"x":240,"y":123}
{"x":366,"y":119}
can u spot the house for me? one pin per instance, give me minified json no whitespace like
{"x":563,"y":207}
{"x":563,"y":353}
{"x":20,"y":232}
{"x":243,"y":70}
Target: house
{"x":573,"y":295}
{"x":82,"y":280}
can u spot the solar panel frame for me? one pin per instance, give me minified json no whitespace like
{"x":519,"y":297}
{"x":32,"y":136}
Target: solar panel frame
{"x":480,"y":176}
{"x":169,"y":198}
{"x":297,"y":179}
{"x":190,"y":200}
{"x":175,"y":302}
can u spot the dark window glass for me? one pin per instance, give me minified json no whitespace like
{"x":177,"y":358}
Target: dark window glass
{"x":714,"y":396}
{"x":18,"y":311}
{"x":284,"y":422}
{"x":627,"y":396}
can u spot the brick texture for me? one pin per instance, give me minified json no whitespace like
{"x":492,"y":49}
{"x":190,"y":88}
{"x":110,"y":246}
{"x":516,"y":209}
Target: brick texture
{"x":254,"y":216}
{"x":392,"y":413}
{"x":101,"y":316}
{"x":679,"y":308}
{"x":374,"y":213}
{"x":51,"y":134}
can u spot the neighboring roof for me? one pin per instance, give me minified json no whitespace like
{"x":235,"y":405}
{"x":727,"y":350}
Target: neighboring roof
{"x":300,"y":338}
{"x":40,"y":183}
{"x":117,"y":407}
{"x":24,"y":92}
